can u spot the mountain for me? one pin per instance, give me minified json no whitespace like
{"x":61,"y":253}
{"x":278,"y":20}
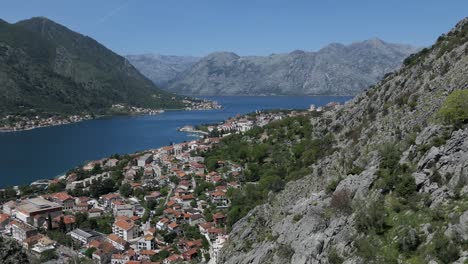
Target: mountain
{"x":161,"y":68}
{"x":334,"y":70}
{"x":382,"y":179}
{"x":48,"y":68}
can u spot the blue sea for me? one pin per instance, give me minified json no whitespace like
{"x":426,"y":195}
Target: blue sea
{"x":43,"y":153}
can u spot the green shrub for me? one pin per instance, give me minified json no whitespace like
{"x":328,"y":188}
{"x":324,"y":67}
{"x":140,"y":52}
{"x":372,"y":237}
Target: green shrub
{"x":355,"y":170}
{"x":409,"y":239}
{"x":371,"y":217}
{"x":367,"y":247}
{"x":334,"y":257}
{"x":444,"y":249}
{"x":285,"y":252}
{"x":48,"y":255}
{"x":454,"y":110}
{"x":331,"y":187}
{"x":405,"y":186}
{"x":297,"y":218}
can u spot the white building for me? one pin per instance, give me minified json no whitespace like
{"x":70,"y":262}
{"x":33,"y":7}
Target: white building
{"x":125,"y":228}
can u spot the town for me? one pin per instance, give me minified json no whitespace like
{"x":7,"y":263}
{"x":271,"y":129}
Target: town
{"x":163,"y":205}
{"x":12,"y":122}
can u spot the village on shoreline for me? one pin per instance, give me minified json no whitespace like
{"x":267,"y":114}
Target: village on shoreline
{"x":162,"y":205}
{"x":14,"y":123}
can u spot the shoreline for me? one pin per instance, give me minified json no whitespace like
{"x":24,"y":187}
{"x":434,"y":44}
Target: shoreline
{"x":13,"y":130}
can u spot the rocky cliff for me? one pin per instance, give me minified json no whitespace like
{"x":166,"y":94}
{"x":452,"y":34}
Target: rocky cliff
{"x":334,"y":70}
{"x":394,"y":191}
{"x":161,"y":68}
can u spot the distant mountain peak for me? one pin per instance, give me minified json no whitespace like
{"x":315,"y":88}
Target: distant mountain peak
{"x":297,"y":52}
{"x":223,"y":55}
{"x":336,"y":69}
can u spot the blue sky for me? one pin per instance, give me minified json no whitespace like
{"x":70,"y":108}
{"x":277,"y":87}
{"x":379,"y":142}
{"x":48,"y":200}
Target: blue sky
{"x":247,"y":27}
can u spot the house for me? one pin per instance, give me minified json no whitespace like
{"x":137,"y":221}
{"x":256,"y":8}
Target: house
{"x":35,"y":211}
{"x":68,"y":222}
{"x":124,"y":228}
{"x":29,"y":242}
{"x":95,"y":212}
{"x":234,"y":185}
{"x":104,"y":252}
{"x":146,"y":243}
{"x":43,"y":244}
{"x":111,"y":163}
{"x":197,"y":167}
{"x":162,"y":224}
{"x":145,"y":159}
{"x":213,"y":233}
{"x":108,"y":199}
{"x":196,"y":219}
{"x":121,"y":209}
{"x":153,"y":196}
{"x":81,"y":207}
{"x":84,"y":235}
{"x":173,"y":227}
{"x":190,"y":254}
{"x":219,"y":218}
{"x":130,"y":175}
{"x":193,"y":244}
{"x":185,"y":200}
{"x":4,"y":221}
{"x":118,"y":242}
{"x":120,"y":259}
{"x":218,"y":197}
{"x":204,"y":227}
{"x":172,"y":259}
{"x":22,"y":231}
{"x":9,"y":207}
{"x":65,"y":200}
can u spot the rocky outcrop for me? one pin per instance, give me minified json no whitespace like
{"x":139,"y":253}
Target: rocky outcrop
{"x":299,"y":225}
{"x":334,"y":70}
{"x":161,"y":68}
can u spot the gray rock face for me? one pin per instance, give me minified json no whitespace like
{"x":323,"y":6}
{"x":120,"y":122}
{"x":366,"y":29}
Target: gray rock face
{"x":399,"y":110}
{"x":334,"y":70}
{"x":161,"y":68}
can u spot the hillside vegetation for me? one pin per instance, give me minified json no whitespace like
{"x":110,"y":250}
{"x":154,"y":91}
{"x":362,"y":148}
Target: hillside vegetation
{"x":47,"y":68}
{"x":391,"y":187}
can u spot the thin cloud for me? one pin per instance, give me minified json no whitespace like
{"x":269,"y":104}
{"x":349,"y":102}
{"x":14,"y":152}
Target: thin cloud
{"x":113,"y":12}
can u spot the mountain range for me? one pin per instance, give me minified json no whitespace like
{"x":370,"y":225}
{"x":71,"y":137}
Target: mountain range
{"x":336,"y":69}
{"x":48,"y":68}
{"x":162,"y":68}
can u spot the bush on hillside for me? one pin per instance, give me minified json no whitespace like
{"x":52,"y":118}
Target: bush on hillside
{"x":454,"y":111}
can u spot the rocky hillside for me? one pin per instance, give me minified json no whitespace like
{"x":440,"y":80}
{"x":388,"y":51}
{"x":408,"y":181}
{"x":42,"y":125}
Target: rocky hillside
{"x":394,"y":188}
{"x":334,"y":70}
{"x":46,"y":67}
{"x":161,"y":68}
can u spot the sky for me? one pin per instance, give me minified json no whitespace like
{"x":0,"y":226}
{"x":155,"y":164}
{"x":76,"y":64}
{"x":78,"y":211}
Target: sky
{"x":246,"y":27}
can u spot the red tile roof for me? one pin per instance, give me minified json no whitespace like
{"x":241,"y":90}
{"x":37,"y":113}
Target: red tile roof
{"x":125,"y":225}
{"x":62,"y":196}
{"x":4,"y":218}
{"x":117,"y":239}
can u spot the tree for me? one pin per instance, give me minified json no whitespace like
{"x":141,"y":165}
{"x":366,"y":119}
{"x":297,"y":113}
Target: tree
{"x":89,"y":252}
{"x":125,"y":190}
{"x":145,"y":216}
{"x":11,"y":252}
{"x":454,"y":110}
{"x":48,"y":255}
